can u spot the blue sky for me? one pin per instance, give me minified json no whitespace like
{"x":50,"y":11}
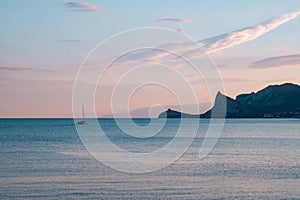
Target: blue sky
{"x":42,"y":44}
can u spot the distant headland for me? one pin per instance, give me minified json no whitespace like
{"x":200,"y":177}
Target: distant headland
{"x":274,"y":101}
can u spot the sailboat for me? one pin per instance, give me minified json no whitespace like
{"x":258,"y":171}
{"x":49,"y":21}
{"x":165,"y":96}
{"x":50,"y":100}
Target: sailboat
{"x":83,"y":116}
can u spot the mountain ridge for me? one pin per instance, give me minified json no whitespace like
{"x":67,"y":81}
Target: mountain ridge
{"x":273,"y":101}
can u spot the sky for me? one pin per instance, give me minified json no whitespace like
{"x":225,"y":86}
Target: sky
{"x":250,"y":44}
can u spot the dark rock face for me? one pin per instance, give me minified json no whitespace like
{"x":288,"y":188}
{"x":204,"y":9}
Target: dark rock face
{"x":276,"y":101}
{"x":226,"y":106}
{"x":170,"y":114}
{"x":175,"y":114}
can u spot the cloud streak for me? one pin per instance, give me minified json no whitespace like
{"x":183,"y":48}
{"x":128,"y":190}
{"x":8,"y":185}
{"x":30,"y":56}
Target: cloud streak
{"x":228,"y":40}
{"x":234,"y":38}
{"x":218,"y":43}
{"x":3,"y":68}
{"x":82,"y":6}
{"x":277,"y":61}
{"x":181,"y":20}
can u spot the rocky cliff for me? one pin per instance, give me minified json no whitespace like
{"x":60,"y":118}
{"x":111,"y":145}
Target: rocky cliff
{"x":275,"y":101}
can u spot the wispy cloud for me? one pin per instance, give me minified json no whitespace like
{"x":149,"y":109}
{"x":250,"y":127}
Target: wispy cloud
{"x":3,"y":68}
{"x":217,"y":43}
{"x":277,"y":61}
{"x":228,"y":40}
{"x":83,"y":6}
{"x":181,"y":20}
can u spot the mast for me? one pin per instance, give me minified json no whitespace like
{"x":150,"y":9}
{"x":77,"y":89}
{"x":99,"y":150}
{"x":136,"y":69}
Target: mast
{"x":82,"y":107}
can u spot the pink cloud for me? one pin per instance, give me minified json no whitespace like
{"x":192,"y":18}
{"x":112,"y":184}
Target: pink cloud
{"x":277,"y":61}
{"x":83,"y":6}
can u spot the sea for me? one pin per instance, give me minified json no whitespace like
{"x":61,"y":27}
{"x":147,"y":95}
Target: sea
{"x":251,"y":159}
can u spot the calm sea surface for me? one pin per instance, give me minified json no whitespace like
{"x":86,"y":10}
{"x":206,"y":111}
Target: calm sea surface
{"x":253,"y":159}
